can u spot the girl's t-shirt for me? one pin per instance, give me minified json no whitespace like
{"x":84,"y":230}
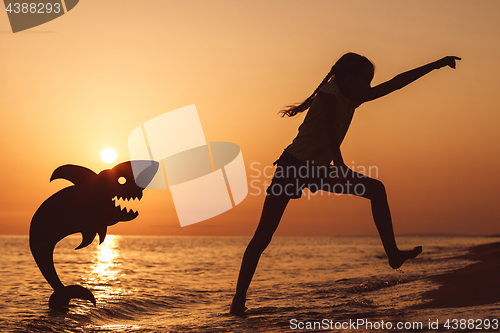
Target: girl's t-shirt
{"x":311,"y":143}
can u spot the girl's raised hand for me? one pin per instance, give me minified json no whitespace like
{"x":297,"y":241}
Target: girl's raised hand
{"x":448,"y":61}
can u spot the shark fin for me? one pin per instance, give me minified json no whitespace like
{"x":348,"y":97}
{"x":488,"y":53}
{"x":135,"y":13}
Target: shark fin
{"x":59,"y":299}
{"x":87,"y":239}
{"x":74,"y":173}
{"x":102,"y":234}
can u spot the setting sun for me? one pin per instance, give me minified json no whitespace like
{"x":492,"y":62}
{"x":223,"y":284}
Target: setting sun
{"x":108,"y":155}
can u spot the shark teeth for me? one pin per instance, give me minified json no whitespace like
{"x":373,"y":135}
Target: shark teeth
{"x":126,"y":204}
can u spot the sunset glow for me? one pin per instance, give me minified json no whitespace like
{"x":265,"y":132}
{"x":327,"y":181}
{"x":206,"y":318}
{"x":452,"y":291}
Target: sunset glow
{"x":86,"y":79}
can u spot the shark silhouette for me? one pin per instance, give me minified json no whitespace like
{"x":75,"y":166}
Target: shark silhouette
{"x":88,"y":208}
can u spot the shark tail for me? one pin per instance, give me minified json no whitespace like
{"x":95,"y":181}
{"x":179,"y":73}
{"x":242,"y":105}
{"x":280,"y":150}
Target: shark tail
{"x":61,"y":297}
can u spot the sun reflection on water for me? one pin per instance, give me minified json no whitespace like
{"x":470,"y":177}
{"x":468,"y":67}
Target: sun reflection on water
{"x":104,"y":277}
{"x":104,"y":260}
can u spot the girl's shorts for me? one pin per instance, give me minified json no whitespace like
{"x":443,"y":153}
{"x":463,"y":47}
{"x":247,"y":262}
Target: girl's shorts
{"x":293,"y":175}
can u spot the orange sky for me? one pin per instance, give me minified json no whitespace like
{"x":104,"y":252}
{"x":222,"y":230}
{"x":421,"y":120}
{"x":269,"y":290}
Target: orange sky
{"x":83,"y":82}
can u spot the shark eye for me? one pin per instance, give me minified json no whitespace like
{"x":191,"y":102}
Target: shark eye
{"x":122,"y":180}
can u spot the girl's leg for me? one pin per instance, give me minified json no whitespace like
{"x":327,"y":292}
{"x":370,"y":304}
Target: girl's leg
{"x":271,"y":215}
{"x":374,"y":190}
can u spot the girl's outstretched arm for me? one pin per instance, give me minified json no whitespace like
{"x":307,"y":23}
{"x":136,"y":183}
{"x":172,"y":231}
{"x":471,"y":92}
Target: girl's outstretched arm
{"x":406,"y":78}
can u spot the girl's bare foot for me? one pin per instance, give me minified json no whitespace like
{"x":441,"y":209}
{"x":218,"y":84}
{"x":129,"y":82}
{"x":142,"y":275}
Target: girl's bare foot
{"x":398,"y":258}
{"x":237,"y":307}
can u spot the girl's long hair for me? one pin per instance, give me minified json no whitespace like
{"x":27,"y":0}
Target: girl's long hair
{"x":350,"y":64}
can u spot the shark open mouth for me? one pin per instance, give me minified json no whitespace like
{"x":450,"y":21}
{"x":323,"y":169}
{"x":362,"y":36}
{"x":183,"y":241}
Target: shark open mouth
{"x":127,"y":206}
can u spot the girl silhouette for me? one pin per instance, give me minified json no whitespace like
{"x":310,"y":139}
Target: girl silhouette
{"x":306,"y":161}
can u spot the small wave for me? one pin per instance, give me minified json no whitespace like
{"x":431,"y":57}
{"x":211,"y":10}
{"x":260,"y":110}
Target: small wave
{"x":375,"y":284}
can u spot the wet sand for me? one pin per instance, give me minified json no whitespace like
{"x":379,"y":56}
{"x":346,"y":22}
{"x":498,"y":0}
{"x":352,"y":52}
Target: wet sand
{"x":476,"y":284}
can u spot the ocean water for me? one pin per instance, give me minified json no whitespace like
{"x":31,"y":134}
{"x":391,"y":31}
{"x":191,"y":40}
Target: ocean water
{"x":183,"y":284}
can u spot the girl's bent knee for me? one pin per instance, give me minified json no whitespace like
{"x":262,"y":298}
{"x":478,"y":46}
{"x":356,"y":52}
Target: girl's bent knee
{"x":376,"y":190}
